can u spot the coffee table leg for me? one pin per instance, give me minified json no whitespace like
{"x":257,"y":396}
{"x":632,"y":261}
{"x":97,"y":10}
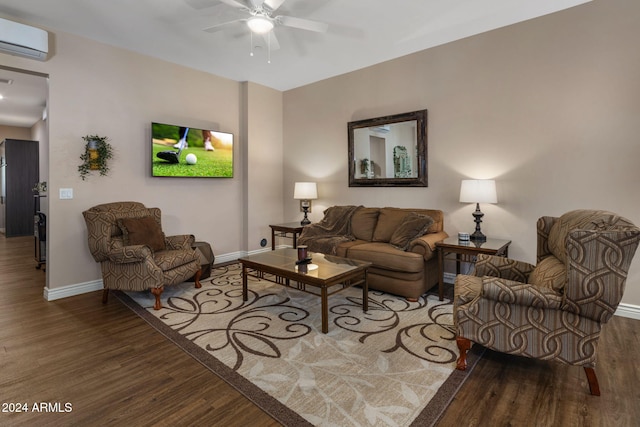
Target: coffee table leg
{"x":245,"y":293}
{"x":365,"y":293}
{"x":325,"y":311}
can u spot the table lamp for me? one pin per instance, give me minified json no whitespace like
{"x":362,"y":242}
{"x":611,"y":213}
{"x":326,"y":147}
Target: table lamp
{"x":305,"y":192}
{"x":478,"y":191}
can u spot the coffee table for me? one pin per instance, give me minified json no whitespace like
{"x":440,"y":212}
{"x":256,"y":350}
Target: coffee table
{"x":324,"y":276}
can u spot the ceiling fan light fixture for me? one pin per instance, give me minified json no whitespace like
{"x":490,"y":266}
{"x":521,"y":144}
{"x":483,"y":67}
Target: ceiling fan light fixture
{"x":260,"y":24}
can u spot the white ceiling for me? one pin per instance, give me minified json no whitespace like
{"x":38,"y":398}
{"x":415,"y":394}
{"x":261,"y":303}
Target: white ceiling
{"x":361,"y":32}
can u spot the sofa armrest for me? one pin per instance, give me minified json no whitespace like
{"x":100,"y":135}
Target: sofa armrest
{"x":129,"y":254}
{"x":503,"y":268}
{"x":425,"y":245}
{"x":512,"y":292}
{"x":180,"y":241}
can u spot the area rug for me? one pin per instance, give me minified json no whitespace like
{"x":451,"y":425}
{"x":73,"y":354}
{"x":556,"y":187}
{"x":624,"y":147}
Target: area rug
{"x":391,"y":366}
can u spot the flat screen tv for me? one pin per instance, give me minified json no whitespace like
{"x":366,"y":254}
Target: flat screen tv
{"x":180,"y":151}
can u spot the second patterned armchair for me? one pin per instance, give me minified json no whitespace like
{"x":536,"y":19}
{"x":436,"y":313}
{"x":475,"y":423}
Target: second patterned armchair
{"x":126,"y":238}
{"x":553,"y":310}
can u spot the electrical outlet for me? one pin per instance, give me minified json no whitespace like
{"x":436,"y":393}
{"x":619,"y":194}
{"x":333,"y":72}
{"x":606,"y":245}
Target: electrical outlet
{"x":66,"y":193}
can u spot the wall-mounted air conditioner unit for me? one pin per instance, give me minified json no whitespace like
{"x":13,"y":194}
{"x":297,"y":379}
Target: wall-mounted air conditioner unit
{"x":23,"y":40}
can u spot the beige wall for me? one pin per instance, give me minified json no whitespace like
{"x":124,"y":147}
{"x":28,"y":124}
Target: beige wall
{"x":98,"y":89}
{"x":263,"y":179}
{"x":548,"y":107}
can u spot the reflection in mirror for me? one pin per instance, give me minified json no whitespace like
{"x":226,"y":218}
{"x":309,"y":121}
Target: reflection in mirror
{"x":388,"y":151}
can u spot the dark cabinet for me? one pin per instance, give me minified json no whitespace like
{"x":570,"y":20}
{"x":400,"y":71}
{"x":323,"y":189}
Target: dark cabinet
{"x":20,"y":175}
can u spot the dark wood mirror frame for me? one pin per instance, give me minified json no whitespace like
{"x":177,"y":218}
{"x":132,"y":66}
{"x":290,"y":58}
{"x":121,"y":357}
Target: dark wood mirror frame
{"x":418,"y":179}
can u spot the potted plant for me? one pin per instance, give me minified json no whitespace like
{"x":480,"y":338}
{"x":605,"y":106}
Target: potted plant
{"x":40,"y":188}
{"x":96,"y":156}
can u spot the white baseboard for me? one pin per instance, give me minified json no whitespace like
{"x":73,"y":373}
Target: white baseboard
{"x":72,"y":290}
{"x":628,"y":310}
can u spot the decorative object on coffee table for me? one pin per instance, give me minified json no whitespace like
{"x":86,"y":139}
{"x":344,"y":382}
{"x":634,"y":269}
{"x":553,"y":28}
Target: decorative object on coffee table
{"x":478,"y":191}
{"x":305,"y":192}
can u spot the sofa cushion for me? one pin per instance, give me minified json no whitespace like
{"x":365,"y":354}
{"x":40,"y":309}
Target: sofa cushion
{"x":412,"y":227}
{"x":388,"y":221}
{"x":363,"y":222}
{"x":142,"y":231}
{"x":549,"y":273}
{"x":387,"y":256}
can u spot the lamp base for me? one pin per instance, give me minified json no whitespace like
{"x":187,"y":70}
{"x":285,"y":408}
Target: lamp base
{"x":477,"y":236}
{"x":305,"y":220}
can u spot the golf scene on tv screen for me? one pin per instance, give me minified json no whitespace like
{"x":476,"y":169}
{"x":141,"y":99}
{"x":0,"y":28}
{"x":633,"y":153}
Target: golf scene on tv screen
{"x":188,"y":152}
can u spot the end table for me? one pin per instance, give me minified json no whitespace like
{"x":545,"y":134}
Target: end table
{"x":466,"y":252}
{"x":294,"y":228}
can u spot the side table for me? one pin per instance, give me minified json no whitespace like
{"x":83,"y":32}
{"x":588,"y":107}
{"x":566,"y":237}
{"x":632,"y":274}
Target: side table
{"x":207,"y":258}
{"x":466,"y":252}
{"x":294,"y":228}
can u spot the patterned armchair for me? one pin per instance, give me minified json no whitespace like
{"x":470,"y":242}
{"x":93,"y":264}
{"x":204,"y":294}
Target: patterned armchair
{"x":126,"y":238}
{"x":554,"y":310}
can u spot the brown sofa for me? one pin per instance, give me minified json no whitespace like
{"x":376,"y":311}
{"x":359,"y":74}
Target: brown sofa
{"x":400,"y":243}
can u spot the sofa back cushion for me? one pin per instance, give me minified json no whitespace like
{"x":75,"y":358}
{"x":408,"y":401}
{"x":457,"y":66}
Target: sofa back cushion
{"x":391,"y":218}
{"x":363,"y":222}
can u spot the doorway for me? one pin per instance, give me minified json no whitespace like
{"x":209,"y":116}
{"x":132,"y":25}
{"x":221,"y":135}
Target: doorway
{"x":24,"y":117}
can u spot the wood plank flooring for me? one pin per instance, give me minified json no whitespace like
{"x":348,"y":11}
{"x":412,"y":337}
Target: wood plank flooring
{"x":115,"y":370}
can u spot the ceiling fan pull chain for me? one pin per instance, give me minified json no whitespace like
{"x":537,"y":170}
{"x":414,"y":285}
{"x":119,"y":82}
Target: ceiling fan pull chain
{"x":269,"y":47}
{"x":251,"y":41}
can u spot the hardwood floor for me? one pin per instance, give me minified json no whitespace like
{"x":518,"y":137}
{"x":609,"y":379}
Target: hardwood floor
{"x":115,"y":370}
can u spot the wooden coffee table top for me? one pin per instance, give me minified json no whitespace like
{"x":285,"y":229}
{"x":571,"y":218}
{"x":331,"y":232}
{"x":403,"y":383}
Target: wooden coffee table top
{"x":330,"y":269}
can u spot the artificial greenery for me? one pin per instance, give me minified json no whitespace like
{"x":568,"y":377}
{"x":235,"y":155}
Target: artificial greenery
{"x":40,"y":187}
{"x":95,"y":158}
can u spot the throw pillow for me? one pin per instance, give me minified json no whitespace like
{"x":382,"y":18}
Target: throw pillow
{"x":142,"y":231}
{"x":388,"y":221}
{"x":413,"y":226}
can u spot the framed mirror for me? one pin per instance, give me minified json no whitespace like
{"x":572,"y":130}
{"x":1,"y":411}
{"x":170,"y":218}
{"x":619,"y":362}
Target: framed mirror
{"x":389,"y":151}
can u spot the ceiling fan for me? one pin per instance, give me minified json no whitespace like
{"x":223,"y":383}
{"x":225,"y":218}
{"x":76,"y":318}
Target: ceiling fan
{"x":261,"y":20}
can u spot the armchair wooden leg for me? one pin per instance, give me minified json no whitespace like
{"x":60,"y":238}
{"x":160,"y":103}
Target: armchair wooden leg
{"x":105,"y":295}
{"x":463,"y":345}
{"x":157,"y":292}
{"x":197,"y":278}
{"x":593,"y":381}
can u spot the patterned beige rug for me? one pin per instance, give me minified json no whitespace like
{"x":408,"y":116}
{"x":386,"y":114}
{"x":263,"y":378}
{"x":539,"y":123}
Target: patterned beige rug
{"x":393,"y":366}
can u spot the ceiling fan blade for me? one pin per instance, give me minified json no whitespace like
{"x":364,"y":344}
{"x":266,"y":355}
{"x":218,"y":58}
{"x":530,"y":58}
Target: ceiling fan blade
{"x":274,"y":4}
{"x":271,"y":40}
{"x":235,"y":3}
{"x":303,"y":24}
{"x":222,"y":25}
{"x":256,"y":3}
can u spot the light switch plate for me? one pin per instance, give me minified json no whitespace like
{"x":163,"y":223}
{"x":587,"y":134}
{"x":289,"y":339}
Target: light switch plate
{"x":66,"y":193}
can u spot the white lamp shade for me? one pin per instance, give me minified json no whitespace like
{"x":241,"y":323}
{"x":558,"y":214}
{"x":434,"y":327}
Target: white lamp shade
{"x":305,"y":191}
{"x":478,"y":191}
{"x":260,"y":25}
